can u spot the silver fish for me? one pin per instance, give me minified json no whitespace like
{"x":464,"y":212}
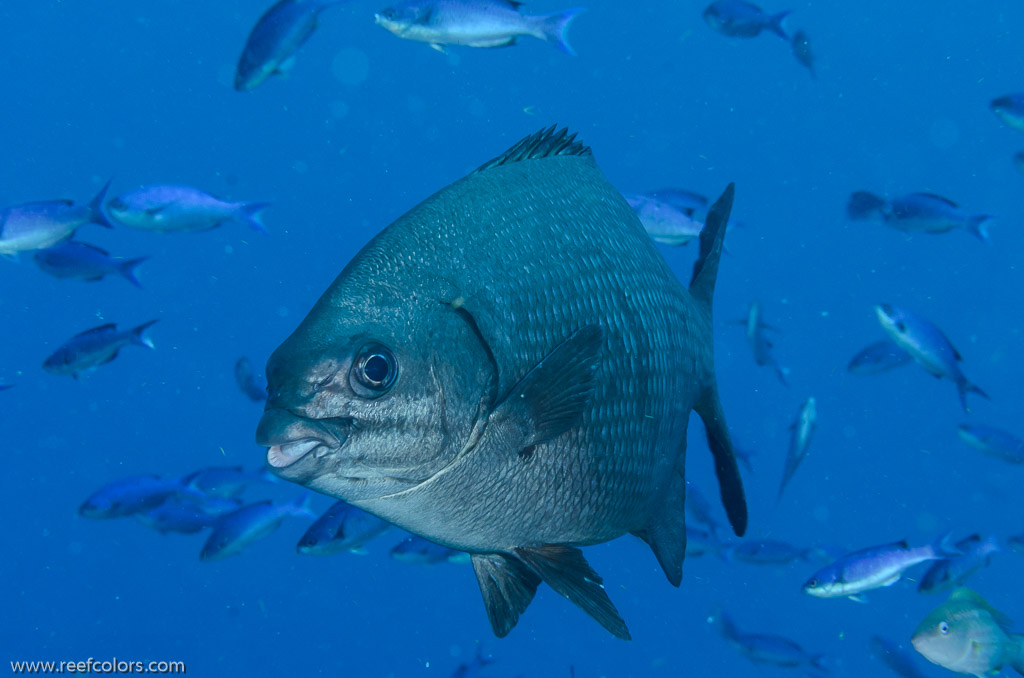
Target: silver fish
{"x":133,"y":495}
{"x":474,"y":23}
{"x":227,"y":481}
{"x":74,"y":259}
{"x":95,"y":347}
{"x":945,"y":574}
{"x":760,"y":344}
{"x":181,"y":209}
{"x":800,"y":433}
{"x":1010,"y":109}
{"x":279,"y":33}
{"x":766,"y":648}
{"x":186,"y":514}
{"x":418,"y":551}
{"x":918,"y":213}
{"x":662,"y":221}
{"x":928,"y":346}
{"x":562,"y":421}
{"x":38,"y":225}
{"x":741,"y":19}
{"x":341,"y":528}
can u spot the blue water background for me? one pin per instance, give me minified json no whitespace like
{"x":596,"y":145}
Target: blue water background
{"x":364,"y":127}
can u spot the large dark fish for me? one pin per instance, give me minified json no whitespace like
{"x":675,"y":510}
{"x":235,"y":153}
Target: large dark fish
{"x":508,"y":370}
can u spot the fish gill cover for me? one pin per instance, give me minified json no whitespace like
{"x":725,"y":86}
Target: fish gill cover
{"x":245,"y":151}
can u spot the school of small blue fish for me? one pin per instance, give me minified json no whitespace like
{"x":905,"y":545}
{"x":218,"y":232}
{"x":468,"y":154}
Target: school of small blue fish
{"x":966,"y":634}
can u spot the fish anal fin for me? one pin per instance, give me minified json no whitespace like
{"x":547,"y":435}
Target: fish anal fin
{"x":507,"y":587}
{"x":705,"y":271}
{"x":730,"y":484}
{"x":666,"y":535}
{"x":550,"y":399}
{"x":564,"y":569}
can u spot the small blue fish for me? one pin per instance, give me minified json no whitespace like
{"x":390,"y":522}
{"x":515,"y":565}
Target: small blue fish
{"x":419,"y":551}
{"x":765,"y":552}
{"x":895,"y":657}
{"x":279,"y":33}
{"x":1010,"y":109}
{"x":74,"y":259}
{"x":873,"y":568}
{"x":740,"y":19}
{"x":765,"y":648}
{"x":341,"y":528}
{"x":181,"y":209}
{"x":234,"y":531}
{"x":253,"y":386}
{"x":993,"y":442}
{"x":186,"y":514}
{"x":878,"y":357}
{"x":474,"y":23}
{"x":801,"y":432}
{"x":928,"y":346}
{"x":38,"y":225}
{"x":802,"y":51}
{"x":663,"y":222}
{"x":918,"y":213}
{"x":95,"y":347}
{"x":946,"y":574}
{"x":760,"y":344}
{"x":133,"y":495}
{"x":226,"y":481}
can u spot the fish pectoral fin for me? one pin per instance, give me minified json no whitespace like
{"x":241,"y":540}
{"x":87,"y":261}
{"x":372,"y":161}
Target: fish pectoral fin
{"x":107,"y":360}
{"x":439,"y":47}
{"x":550,"y":399}
{"x":859,"y":598}
{"x":891,"y":580}
{"x":507,"y":587}
{"x":564,"y":569}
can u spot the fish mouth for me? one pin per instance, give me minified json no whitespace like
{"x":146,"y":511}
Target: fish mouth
{"x":286,"y":454}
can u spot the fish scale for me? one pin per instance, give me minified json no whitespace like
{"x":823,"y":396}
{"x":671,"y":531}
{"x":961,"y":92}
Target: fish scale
{"x":530,"y":318}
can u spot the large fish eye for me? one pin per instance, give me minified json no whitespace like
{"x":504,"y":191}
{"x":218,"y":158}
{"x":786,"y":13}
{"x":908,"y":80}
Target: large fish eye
{"x":812,"y":584}
{"x":374,"y":370}
{"x":943,"y":628}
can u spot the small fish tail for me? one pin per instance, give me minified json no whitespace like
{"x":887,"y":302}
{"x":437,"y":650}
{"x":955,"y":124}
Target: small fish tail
{"x":139,"y":335}
{"x":249,"y":214}
{"x":963,"y":387}
{"x":865,"y":205}
{"x":554,"y":28}
{"x":300,"y":506}
{"x":783,"y":373}
{"x":776,"y":24}
{"x":944,"y":547}
{"x":97,"y":212}
{"x":723,"y":624}
{"x":978,"y":225}
{"x":127,"y":269}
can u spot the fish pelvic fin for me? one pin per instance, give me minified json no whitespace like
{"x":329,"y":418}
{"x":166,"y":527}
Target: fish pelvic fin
{"x":554,"y":28}
{"x":963,"y":387}
{"x":507,"y":587}
{"x":730,"y":484}
{"x":564,"y":569}
{"x":705,"y":271}
{"x":249,"y":214}
{"x":550,"y":399}
{"x":666,"y":535}
{"x":139,"y":334}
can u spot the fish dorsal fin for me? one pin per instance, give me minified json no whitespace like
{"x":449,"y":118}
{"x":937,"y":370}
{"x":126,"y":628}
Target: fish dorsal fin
{"x":705,"y":271}
{"x":940,"y":198}
{"x":544,"y":144}
{"x":98,"y":330}
{"x":511,"y":4}
{"x":965,"y":595}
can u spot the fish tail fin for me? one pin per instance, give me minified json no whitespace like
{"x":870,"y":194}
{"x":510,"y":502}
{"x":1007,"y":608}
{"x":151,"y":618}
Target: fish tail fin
{"x":554,"y":28}
{"x":127,"y":269}
{"x":963,"y":387}
{"x":723,"y":624}
{"x":865,"y":205}
{"x":978,"y":225}
{"x":730,"y":484}
{"x":705,"y":271}
{"x":666,"y":535}
{"x":776,"y":24}
{"x":944,"y":547}
{"x":98,"y":214}
{"x":265,"y":475}
{"x":783,"y":373}
{"x":249,"y":214}
{"x":300,"y":506}
{"x":139,"y":334}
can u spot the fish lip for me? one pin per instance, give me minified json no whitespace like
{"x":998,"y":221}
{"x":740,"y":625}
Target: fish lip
{"x":285,"y":454}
